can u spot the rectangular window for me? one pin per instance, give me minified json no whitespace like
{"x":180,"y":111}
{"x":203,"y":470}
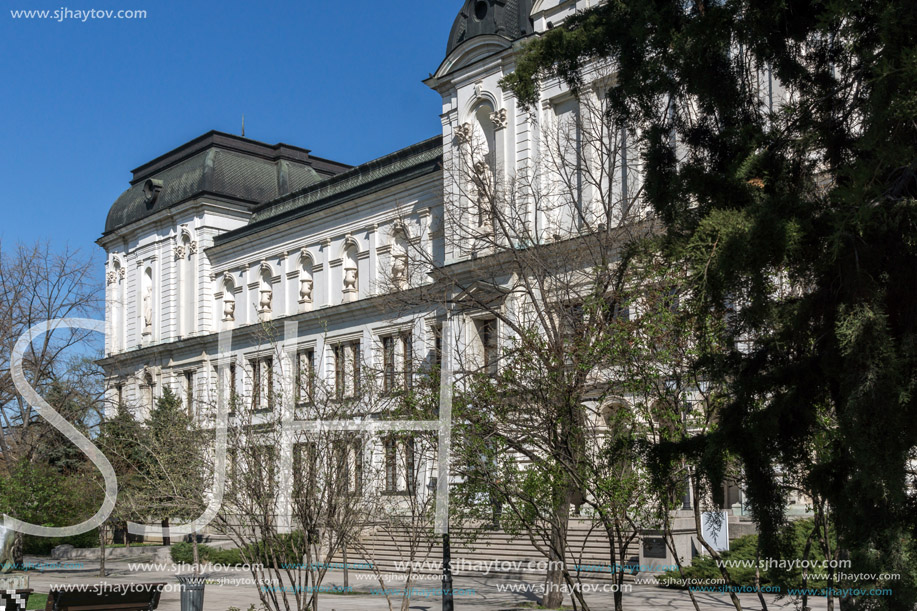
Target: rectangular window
{"x":348,"y":455}
{"x":305,"y":469}
{"x":437,"y":346}
{"x":262,"y":383}
{"x":397,"y":367}
{"x":487,"y":340}
{"x":400,"y":473}
{"x":388,"y":364}
{"x":233,"y":393}
{"x":391,"y":464}
{"x":347,"y":370}
{"x":189,"y":392}
{"x":305,"y":376}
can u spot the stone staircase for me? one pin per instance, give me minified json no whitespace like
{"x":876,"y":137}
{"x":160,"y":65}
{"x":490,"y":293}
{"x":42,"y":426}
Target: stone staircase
{"x":476,"y":552}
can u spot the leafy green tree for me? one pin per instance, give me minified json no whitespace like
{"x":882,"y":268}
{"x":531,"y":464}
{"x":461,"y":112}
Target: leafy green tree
{"x":792,"y":200}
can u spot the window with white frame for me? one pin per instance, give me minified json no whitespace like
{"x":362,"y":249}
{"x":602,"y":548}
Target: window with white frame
{"x":262,"y":369}
{"x":348,"y":456}
{"x":400,"y":474}
{"x":486,"y":345}
{"x":436,"y":347}
{"x":188,"y":388}
{"x":346,"y":369}
{"x":397,"y":368}
{"x":305,"y":376}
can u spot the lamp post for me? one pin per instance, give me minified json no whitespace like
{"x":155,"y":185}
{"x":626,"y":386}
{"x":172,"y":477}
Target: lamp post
{"x":448,"y":603}
{"x":445,"y":446}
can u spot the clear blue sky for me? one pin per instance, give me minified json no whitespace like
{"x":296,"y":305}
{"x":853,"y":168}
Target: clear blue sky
{"x":84,"y":103}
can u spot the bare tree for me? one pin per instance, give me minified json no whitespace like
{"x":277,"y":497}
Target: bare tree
{"x":38,"y":284}
{"x":539,"y":262}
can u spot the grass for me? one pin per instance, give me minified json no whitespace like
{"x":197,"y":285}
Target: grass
{"x":37,"y":601}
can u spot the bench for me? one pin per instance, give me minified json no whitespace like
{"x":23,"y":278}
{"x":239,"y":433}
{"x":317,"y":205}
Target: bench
{"x":124,"y":597}
{"x":14,"y":600}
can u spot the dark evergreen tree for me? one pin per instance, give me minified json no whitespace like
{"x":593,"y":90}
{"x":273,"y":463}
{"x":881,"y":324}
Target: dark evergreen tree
{"x":797,"y":216}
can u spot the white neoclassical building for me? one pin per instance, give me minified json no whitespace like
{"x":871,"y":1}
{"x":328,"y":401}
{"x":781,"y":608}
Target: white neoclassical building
{"x":227,"y":233}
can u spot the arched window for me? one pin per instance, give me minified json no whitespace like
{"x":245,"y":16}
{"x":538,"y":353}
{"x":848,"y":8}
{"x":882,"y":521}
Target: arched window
{"x":306,"y":284}
{"x":351,"y":273}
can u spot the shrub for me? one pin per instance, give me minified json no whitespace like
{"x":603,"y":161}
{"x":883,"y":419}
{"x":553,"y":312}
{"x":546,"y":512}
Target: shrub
{"x":743,"y":550}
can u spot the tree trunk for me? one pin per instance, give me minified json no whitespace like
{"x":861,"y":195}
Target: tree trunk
{"x":196,"y":556}
{"x":102,"y":550}
{"x":758,"y":576}
{"x":805,"y":570}
{"x":554,"y":580}
{"x":669,"y":539}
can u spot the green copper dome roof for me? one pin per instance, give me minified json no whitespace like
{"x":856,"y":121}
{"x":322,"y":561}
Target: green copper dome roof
{"x":510,"y":19}
{"x":221,"y":165}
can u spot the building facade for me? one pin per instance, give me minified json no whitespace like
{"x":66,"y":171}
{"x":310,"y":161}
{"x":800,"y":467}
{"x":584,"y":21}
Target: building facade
{"x":226,"y":233}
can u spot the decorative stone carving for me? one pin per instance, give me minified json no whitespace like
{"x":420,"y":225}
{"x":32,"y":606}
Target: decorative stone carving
{"x":400,"y":270}
{"x":499,"y":118}
{"x":350,"y":280}
{"x":229,"y":310}
{"x":464,"y":133}
{"x":148,"y":310}
{"x":179,"y":251}
{"x":121,"y":273}
{"x":111,"y":276}
{"x":305,"y":290}
{"x":267,"y":295}
{"x":192,"y":247}
{"x":229,"y":301}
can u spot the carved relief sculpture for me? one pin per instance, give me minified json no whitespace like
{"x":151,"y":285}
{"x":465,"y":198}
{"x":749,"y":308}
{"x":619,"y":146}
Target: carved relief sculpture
{"x":499,"y":119}
{"x":305,"y":290}
{"x":148,"y":310}
{"x":400,"y":270}
{"x":464,"y":133}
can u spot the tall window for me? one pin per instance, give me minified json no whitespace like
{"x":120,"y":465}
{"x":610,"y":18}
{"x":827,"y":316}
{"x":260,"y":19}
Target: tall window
{"x":396,"y":362}
{"x":437,"y":345}
{"x":487,"y":344}
{"x":146,"y":390}
{"x":305,"y":469}
{"x":262,"y":383}
{"x":233,"y":393}
{"x":400,"y":474}
{"x":305,"y":376}
{"x":189,"y":392}
{"x":346,"y":370}
{"x":348,"y":456}
{"x":568,"y":158}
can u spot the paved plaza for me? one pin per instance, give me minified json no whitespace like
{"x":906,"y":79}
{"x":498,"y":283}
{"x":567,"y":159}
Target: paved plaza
{"x":478,"y":592}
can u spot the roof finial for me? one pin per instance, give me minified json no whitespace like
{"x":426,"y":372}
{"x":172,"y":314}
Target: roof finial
{"x":243,"y":125}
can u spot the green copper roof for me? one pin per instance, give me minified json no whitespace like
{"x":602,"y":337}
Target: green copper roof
{"x":395,"y":168}
{"x":218,"y":164}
